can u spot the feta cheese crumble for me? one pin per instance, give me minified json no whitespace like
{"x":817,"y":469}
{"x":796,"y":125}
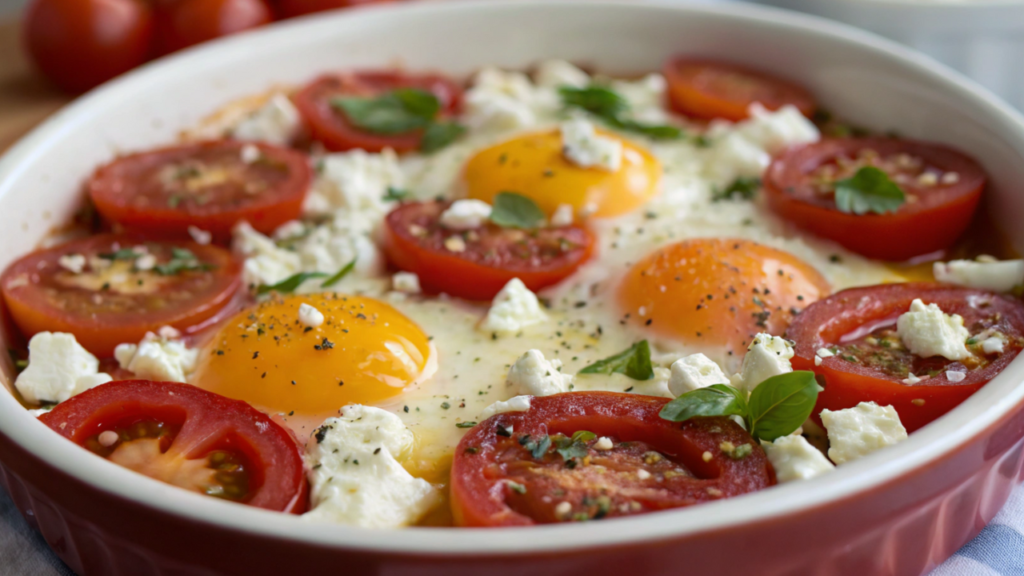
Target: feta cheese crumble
{"x":859,"y":431}
{"x":766,"y":356}
{"x":406,"y":282}
{"x":997,"y":276}
{"x":200,"y":236}
{"x":794,"y":458}
{"x":534,"y":375}
{"x":58,"y":368}
{"x":500,"y":100}
{"x":355,"y":478}
{"x":513,"y":309}
{"x":928,"y":331}
{"x":310,"y":316}
{"x":558,"y":73}
{"x":582,"y":146}
{"x":276,"y":122}
{"x":992,"y":345}
{"x":514,"y":404}
{"x":160,"y":356}
{"x":693,"y":372}
{"x":604,"y":443}
{"x":466,"y":215}
{"x":73,"y":263}
{"x":563,"y":215}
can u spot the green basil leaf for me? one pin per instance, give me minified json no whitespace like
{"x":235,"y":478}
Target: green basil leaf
{"x":597,"y":100}
{"x":396,"y":112}
{"x":740,"y":189}
{"x":511,"y":210}
{"x":569,"y":448}
{"x":340,"y":274}
{"x":781,"y":404}
{"x":634,"y":362}
{"x":538,"y":448}
{"x":290,"y":283}
{"x":440,"y":134}
{"x":715,"y":400}
{"x":655,"y":131}
{"x":583,"y":436}
{"x":395,"y":194}
{"x":869,"y":190}
{"x":122,"y":254}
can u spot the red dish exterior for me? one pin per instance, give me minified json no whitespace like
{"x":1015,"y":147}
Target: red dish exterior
{"x":905,"y":527}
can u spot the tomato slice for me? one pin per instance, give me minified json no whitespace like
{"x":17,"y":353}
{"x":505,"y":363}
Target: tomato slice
{"x":518,"y":468}
{"x":712,"y":89}
{"x":190,"y":438}
{"x":870,"y":364}
{"x":942,"y":189}
{"x":120,"y":293}
{"x":211,"y":185}
{"x":336,"y":133}
{"x":415,"y":241}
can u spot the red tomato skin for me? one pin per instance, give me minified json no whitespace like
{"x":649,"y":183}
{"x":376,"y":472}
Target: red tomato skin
{"x":264,"y":215}
{"x":897,"y":236}
{"x":184,"y":23}
{"x":333,"y":130}
{"x":441,"y":271}
{"x":207,"y":418}
{"x":100,"y":335}
{"x":628,"y":416}
{"x":293,"y":8}
{"x":79,"y":44}
{"x":848,"y":384}
{"x":689,"y":99}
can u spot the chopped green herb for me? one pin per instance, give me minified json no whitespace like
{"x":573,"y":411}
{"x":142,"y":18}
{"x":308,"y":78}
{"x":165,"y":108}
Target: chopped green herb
{"x":440,"y":134}
{"x":583,"y":436}
{"x":396,"y":194}
{"x":538,"y":448}
{"x":611,"y":107}
{"x":740,"y":189}
{"x":575,"y":447}
{"x":511,"y":210}
{"x":345,"y":271}
{"x":465,"y":424}
{"x":122,"y":254}
{"x":289,"y":284}
{"x":182,"y":260}
{"x":517,"y":487}
{"x":634,"y":362}
{"x":869,"y":190}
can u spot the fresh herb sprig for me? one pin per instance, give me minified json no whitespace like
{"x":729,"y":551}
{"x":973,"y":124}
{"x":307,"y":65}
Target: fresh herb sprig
{"x":292,"y":283}
{"x":634,"y":362}
{"x":512,"y":210}
{"x":613,"y":109}
{"x":182,"y":260}
{"x":740,"y":189}
{"x":399,"y":112}
{"x":869,"y":190}
{"x":776,"y":408}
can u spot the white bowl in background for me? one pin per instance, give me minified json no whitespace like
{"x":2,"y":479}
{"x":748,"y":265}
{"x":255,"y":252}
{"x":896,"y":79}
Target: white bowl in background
{"x":984,"y":39}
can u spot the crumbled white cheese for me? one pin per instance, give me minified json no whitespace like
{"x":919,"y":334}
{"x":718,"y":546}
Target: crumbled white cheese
{"x":265,"y":263}
{"x":992,"y":345}
{"x":746,"y":148}
{"x":558,"y":73}
{"x":794,"y":458}
{"x":766,"y":356}
{"x":355,"y":478}
{"x":515,"y":307}
{"x":582,"y":146}
{"x":693,"y":372}
{"x":466,"y":215}
{"x":562,"y":216}
{"x":310,"y":316}
{"x":778,"y":130}
{"x":534,"y":375}
{"x":821,"y":354}
{"x":604,"y":443}
{"x":200,"y":236}
{"x":858,"y":431}
{"x":250,"y":153}
{"x":955,"y":376}
{"x":406,"y":282}
{"x":158,"y":357}
{"x":108,"y":438}
{"x":928,"y":331}
{"x":290,"y":230}
{"x":998,"y":276}
{"x":514,"y":404}
{"x":145,"y":262}
{"x":500,"y":100}
{"x":276,"y":122}
{"x":912,"y":379}
{"x":73,"y":263}
{"x":356,"y":181}
{"x":58,"y":368}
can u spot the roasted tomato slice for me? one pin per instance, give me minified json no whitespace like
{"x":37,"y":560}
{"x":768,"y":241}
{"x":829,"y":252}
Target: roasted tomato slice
{"x":113,"y":288}
{"x":332,"y":128}
{"x":942,"y":189}
{"x":540,"y":466}
{"x":190,"y":438}
{"x":710,"y":89}
{"x":870,"y":363}
{"x":210,"y":185}
{"x":476,"y":264}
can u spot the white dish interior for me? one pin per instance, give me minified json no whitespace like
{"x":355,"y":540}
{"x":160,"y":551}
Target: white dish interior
{"x":871,"y":81}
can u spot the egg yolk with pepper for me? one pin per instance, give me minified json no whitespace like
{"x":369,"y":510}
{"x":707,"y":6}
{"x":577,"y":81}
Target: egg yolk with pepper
{"x":533,"y":165}
{"x":719,"y":291}
{"x":364,"y":351}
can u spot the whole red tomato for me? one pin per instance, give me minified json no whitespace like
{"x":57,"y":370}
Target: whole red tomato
{"x":79,"y":44}
{"x":183,"y":23}
{"x":290,"y":8}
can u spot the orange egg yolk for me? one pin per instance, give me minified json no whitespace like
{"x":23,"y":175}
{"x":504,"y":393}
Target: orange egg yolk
{"x":533,"y":165}
{"x":719,"y":292}
{"x":364,"y":351}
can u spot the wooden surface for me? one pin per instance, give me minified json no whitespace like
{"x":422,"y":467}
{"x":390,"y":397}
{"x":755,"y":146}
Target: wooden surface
{"x":25,"y":97}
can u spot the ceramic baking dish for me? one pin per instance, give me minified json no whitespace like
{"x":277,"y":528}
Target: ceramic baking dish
{"x":899,"y":511}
